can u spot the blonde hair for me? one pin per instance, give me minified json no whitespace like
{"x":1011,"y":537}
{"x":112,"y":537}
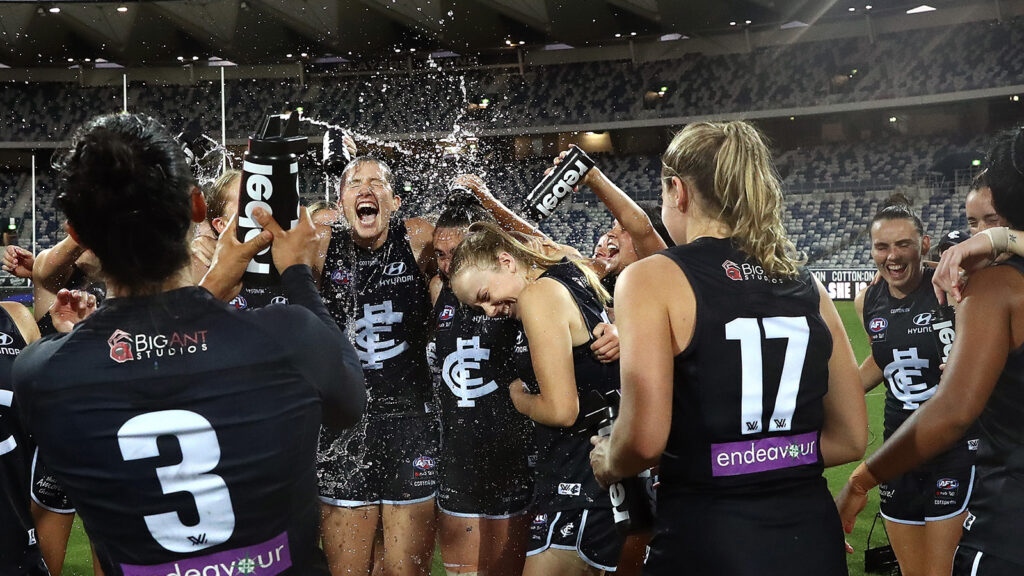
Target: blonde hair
{"x":731,"y":168}
{"x":216,"y":195}
{"x":485,"y":241}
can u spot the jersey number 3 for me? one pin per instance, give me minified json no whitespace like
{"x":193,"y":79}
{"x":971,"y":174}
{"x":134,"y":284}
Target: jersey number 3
{"x":748,"y":332}
{"x":200,"y":453}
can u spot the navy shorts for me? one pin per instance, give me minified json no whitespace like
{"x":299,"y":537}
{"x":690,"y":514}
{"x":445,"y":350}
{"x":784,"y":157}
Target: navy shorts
{"x":590,"y":532}
{"x":937,"y":490}
{"x":971,"y":562}
{"x":46,"y":492}
{"x":383,"y":459}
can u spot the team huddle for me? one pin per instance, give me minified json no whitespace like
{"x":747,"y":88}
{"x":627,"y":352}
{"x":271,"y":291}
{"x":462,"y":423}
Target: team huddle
{"x":664,"y":406}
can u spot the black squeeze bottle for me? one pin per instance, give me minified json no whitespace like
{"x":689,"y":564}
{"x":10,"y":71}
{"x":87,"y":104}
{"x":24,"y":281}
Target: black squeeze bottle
{"x":270,"y":180}
{"x":334,"y":155}
{"x":944,"y":330}
{"x":629,"y":496}
{"x":558,"y":184}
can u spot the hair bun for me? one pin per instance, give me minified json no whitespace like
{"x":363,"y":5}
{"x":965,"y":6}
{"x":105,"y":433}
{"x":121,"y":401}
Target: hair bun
{"x":461,"y":198}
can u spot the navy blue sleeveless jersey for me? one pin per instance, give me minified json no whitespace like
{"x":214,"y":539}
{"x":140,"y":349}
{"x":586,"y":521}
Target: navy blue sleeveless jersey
{"x":563,"y":479}
{"x":19,"y":551}
{"x":381,"y":297}
{"x":996,"y":512}
{"x":903,"y":346}
{"x":256,"y":297}
{"x":185,"y":432}
{"x":747,"y":406}
{"x":473,"y":363}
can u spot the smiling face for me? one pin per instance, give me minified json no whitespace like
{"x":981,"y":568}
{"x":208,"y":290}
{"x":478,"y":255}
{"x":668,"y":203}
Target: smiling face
{"x":981,"y":213}
{"x":496,"y":291}
{"x":367,"y":203}
{"x":898,"y":249}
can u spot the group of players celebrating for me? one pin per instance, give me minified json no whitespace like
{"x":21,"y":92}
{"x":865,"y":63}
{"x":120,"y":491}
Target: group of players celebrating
{"x":421,"y":381}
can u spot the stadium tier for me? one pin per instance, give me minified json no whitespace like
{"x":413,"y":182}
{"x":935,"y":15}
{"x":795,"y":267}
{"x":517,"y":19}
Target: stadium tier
{"x":908,"y":63}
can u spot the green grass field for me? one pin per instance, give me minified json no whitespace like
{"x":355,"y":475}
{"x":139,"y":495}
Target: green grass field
{"x":79,"y":562}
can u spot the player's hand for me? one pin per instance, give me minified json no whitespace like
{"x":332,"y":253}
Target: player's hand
{"x":854,"y":496}
{"x":350,"y":144}
{"x":588,"y":178}
{"x":18,"y":261}
{"x":299,"y":245}
{"x":606,"y":343}
{"x":599,"y":462}
{"x":520,"y":396}
{"x":203,"y":248}
{"x":473,"y":182}
{"x":230,"y":258}
{"x":959,"y":261}
{"x":70,"y":308}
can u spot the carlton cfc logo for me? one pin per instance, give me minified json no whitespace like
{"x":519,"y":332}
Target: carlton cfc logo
{"x":120,"y":346}
{"x":447,"y":314}
{"x":732,"y":270}
{"x":877,"y":325}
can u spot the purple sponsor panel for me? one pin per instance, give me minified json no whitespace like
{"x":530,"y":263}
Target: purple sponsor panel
{"x":764,"y":454}
{"x":265,"y":559}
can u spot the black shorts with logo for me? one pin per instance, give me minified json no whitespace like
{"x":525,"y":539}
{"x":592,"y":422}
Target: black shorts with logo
{"x":971,"y":562}
{"x":937,"y":490}
{"x":590,"y":532}
{"x":46,"y":492}
{"x":783,"y":532}
{"x":493,"y":498}
{"x":384,"y":459}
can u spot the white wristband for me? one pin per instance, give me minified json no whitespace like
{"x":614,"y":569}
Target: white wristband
{"x":1000,"y":239}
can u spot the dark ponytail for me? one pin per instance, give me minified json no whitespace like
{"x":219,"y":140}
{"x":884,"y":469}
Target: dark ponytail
{"x":898,"y":207}
{"x":125,"y":188}
{"x":1005,"y":176}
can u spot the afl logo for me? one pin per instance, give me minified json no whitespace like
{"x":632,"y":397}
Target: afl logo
{"x":877,"y":325}
{"x":395,"y":269}
{"x":947,"y":484}
{"x":540,"y":519}
{"x":423,"y":463}
{"x":923,"y":319}
{"x":239,"y":302}
{"x":341,"y":276}
{"x":447,"y":314}
{"x":278,"y":300}
{"x":5,"y":339}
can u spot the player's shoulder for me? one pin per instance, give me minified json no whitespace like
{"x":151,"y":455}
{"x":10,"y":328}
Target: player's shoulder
{"x":34,"y":363}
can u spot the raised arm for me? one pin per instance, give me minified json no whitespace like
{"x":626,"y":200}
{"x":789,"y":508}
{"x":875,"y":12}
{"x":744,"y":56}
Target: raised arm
{"x":633,"y":219}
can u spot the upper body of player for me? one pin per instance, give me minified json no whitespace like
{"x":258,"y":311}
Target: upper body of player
{"x":982,"y":383}
{"x":896,"y":313}
{"x":19,"y":549}
{"x":560,"y":303}
{"x":737,"y":375}
{"x":375,"y":285}
{"x":184,"y":432}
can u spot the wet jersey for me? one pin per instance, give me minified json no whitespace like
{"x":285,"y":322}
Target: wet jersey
{"x":996,"y":511}
{"x":19,"y":551}
{"x":256,"y":297}
{"x":473,"y":364}
{"x":903,"y":346}
{"x":563,"y":477}
{"x":747,"y":403}
{"x":185,"y":432}
{"x":382,"y":298}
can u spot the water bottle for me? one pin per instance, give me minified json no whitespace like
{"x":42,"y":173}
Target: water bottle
{"x":558,"y":184}
{"x":944,"y":330}
{"x":270,"y":180}
{"x":334,"y":155}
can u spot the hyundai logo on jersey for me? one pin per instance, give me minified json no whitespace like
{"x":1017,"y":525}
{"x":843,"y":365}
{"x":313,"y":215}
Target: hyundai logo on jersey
{"x":5,"y":339}
{"x":395,"y":269}
{"x":923,"y":319}
{"x":447,"y":314}
{"x":878,"y":324}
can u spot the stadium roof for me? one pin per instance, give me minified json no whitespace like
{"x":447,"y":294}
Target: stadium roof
{"x":144,"y":33}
